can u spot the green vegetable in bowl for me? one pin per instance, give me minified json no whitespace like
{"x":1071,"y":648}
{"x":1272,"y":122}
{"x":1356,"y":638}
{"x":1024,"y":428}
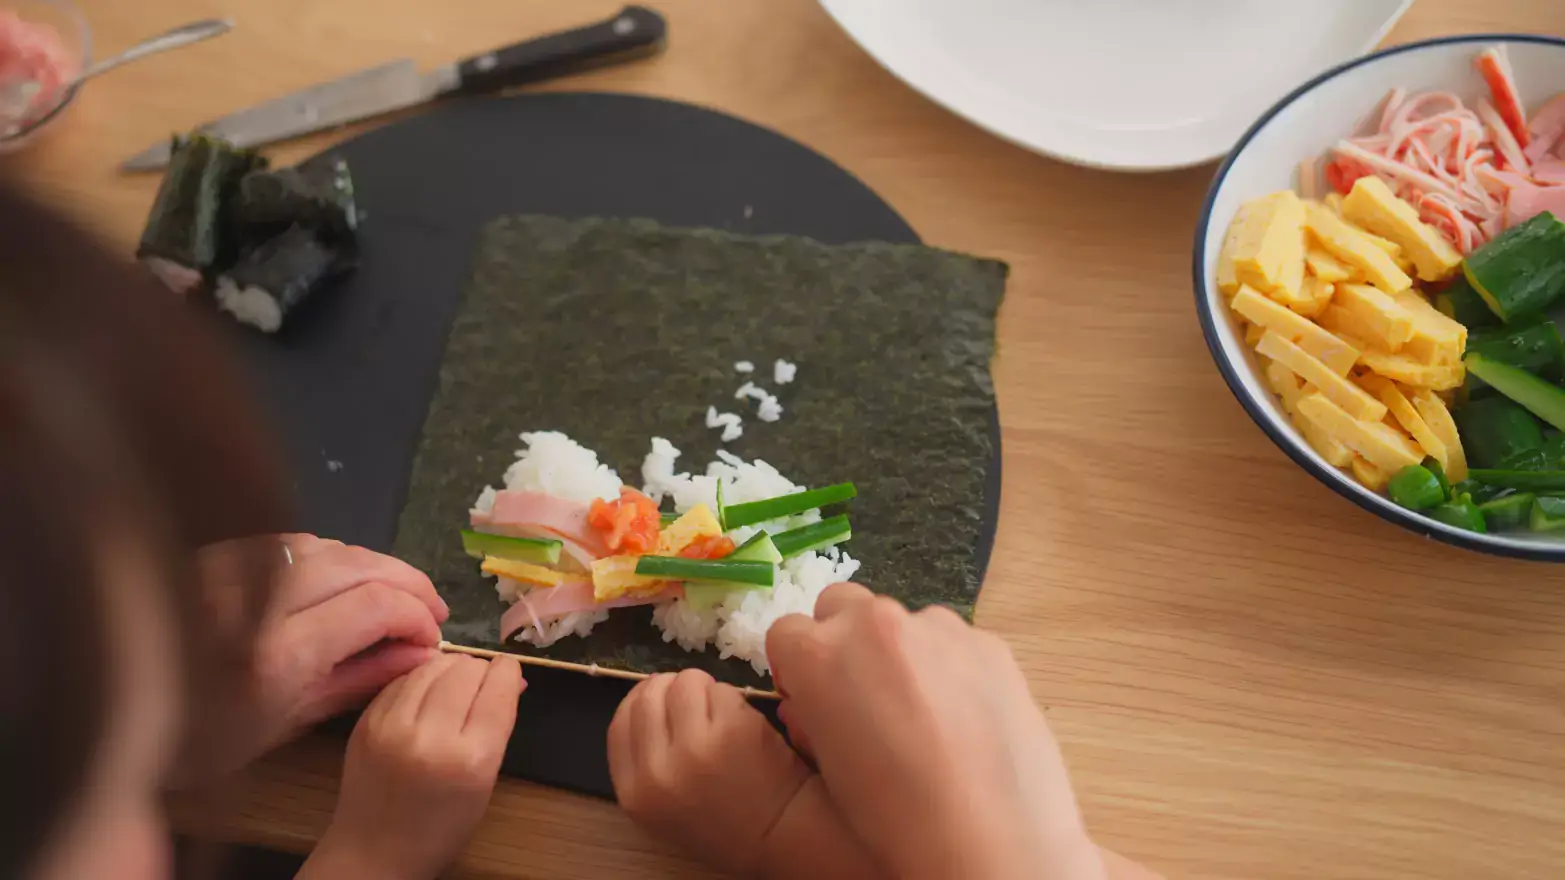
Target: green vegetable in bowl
{"x":1432,"y":465}
{"x":1494,"y":429}
{"x":1522,"y":481}
{"x":1533,"y":345}
{"x":1507,"y":512}
{"x":1547,"y":514}
{"x":1461,"y":513}
{"x":1462,"y":304}
{"x":1543,"y":398}
{"x":1416,"y":488}
{"x":1522,"y":271}
{"x":1479,"y":492}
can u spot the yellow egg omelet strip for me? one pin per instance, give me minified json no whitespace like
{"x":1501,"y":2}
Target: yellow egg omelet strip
{"x":1267,"y":247}
{"x":1343,"y":301}
{"x":1372,"y":206}
{"x":1353,"y":247}
{"x":1330,"y":350}
{"x":1351,"y":398}
{"x":1384,"y":446}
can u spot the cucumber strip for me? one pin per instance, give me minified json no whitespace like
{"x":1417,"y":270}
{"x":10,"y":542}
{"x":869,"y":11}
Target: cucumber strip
{"x":1522,"y":271}
{"x":1534,"y":346}
{"x":815,"y":536}
{"x":1462,"y":304}
{"x":481,"y":544}
{"x":1547,"y":514}
{"x":1545,"y":399}
{"x":667,"y":519}
{"x":1510,"y":512}
{"x":758,"y":549}
{"x":740,"y":515}
{"x":1494,"y":429}
{"x":1522,"y":481}
{"x":755,"y":574}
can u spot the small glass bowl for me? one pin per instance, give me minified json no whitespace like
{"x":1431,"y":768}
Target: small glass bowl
{"x":67,"y":19}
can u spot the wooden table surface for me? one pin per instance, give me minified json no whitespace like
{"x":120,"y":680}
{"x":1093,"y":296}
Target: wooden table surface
{"x":1251,"y":677}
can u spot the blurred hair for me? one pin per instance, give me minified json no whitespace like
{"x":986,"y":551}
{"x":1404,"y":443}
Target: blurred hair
{"x":120,"y":414}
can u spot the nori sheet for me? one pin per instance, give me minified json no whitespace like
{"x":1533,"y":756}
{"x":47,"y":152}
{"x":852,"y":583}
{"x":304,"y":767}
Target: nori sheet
{"x":616,"y":331}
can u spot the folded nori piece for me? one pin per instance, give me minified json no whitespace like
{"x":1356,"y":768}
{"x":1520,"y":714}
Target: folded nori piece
{"x":318,"y":196}
{"x":615,"y":331}
{"x":287,"y":269}
{"x":189,"y":225}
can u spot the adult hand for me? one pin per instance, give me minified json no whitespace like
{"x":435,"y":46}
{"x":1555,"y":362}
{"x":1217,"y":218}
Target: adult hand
{"x":342,"y":623}
{"x":421,"y":767}
{"x":928,"y":741}
{"x":695,"y":764}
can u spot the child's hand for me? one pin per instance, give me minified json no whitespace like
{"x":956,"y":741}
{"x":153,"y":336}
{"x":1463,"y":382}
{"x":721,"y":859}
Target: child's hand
{"x":694,"y":763}
{"x":421,"y":766}
{"x":928,"y":740}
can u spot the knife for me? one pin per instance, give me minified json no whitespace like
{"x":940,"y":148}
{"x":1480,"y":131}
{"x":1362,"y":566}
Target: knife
{"x":633,"y":32}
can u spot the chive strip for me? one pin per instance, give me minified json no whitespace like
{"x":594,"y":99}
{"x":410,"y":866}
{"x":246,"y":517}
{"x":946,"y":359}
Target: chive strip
{"x":815,"y":536}
{"x":755,"y":574}
{"x":722,"y":516}
{"x":536,"y":550}
{"x":740,"y":515}
{"x":667,"y":519}
{"x":1522,"y":481}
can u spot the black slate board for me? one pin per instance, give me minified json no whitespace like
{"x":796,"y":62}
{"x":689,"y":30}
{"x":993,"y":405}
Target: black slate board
{"x":349,"y":379}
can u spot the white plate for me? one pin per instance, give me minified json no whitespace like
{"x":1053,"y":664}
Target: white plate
{"x":1304,"y":124}
{"x":1138,"y":85}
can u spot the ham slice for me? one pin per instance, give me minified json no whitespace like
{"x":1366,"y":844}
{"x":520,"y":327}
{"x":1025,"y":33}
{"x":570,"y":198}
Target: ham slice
{"x":1549,"y":171}
{"x":1531,"y":200}
{"x":1546,"y":128}
{"x":1497,"y":182}
{"x":540,"y":515}
{"x":548,"y":604}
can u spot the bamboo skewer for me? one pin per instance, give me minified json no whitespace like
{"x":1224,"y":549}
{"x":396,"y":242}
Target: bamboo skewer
{"x":586,"y":669}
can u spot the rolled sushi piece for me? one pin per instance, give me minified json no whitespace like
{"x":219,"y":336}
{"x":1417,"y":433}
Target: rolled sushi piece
{"x":317,"y":196}
{"x":272,"y":280}
{"x":189,"y":232}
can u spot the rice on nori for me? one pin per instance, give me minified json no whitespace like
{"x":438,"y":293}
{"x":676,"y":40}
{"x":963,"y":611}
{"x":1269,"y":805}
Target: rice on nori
{"x":545,"y":497}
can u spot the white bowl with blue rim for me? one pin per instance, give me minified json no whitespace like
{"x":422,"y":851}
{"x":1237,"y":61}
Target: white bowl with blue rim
{"x":1306,"y":123}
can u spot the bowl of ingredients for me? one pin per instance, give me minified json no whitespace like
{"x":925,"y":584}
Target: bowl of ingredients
{"x":43,"y":45}
{"x":1379,"y":271}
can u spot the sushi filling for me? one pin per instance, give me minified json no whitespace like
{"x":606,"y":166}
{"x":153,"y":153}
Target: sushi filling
{"x":249,"y":305}
{"x":180,"y":279}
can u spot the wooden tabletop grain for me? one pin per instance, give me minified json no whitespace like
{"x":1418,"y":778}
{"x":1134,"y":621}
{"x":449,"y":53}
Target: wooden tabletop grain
{"x":1251,"y":676}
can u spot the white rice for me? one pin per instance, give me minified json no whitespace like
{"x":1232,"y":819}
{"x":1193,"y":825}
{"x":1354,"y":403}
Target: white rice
{"x":783,"y":372}
{"x":769,"y":410}
{"x":248,"y":305}
{"x":558,"y":465}
{"x":729,"y":422}
{"x":737,"y":626}
{"x":744,"y":367}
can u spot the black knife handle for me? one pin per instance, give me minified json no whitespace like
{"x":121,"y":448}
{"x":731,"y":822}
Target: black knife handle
{"x":633,"y":32}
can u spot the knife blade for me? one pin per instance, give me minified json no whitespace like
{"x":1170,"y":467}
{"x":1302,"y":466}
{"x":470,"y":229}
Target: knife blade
{"x":396,"y":85}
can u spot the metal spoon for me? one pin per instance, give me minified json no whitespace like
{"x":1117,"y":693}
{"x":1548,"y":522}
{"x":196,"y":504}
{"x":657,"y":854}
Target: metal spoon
{"x":16,"y":97}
